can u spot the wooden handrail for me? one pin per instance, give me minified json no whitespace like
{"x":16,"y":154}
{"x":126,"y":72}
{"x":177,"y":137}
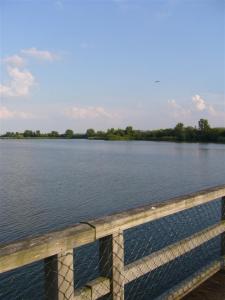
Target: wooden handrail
{"x":53,"y":247}
{"x":134,"y":217}
{"x":17,"y":254}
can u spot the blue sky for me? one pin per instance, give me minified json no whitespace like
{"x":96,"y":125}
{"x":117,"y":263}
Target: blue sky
{"x":80,"y":64}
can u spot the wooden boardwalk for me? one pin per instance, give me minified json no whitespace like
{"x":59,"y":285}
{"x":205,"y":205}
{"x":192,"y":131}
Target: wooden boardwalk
{"x":56,"y":250}
{"x":212,"y":289}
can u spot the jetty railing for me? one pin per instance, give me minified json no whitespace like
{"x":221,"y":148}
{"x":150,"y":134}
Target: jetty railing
{"x":57,"y":250}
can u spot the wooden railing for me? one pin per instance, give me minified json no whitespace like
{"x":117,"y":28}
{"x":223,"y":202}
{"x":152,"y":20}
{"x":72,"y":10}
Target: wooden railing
{"x":57,"y":248}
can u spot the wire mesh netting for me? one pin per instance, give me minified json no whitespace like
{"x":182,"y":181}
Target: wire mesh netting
{"x":143,"y":259}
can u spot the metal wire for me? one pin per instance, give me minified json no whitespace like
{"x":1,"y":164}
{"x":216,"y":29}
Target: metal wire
{"x":94,"y":260}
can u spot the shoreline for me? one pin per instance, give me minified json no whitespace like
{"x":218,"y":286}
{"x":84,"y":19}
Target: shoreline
{"x":113,"y":140}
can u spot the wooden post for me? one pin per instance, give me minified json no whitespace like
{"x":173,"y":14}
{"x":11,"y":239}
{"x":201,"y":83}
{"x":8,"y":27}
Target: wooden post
{"x":59,"y":277}
{"x":223,"y":234}
{"x":111,"y":250}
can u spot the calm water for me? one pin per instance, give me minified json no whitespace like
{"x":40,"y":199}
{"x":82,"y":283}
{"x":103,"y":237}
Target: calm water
{"x":48,"y":184}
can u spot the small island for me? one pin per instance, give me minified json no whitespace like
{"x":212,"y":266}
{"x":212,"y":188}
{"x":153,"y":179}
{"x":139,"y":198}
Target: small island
{"x":180,"y":133}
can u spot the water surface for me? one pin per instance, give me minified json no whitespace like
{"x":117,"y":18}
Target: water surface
{"x":49,"y":184}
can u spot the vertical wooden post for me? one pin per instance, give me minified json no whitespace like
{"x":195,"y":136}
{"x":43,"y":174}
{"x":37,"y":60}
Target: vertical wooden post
{"x":59,"y":277}
{"x":223,"y":219}
{"x":118,"y":266}
{"x":112,"y":262}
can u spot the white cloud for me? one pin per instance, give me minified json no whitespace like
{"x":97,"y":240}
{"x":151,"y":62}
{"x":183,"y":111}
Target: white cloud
{"x":14,"y":60}
{"x":5,"y":113}
{"x":199,"y":102}
{"x":40,"y":54}
{"x":173,"y":103}
{"x":198,"y":105}
{"x":89,"y":112}
{"x":178,"y":110}
{"x":20,"y":83}
{"x":212,"y":110}
{"x":5,"y":91}
{"x":201,"y":105}
{"x":21,"y":80}
{"x":218,"y":114}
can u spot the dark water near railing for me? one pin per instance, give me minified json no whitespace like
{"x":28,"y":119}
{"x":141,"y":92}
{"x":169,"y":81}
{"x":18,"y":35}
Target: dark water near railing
{"x":49,"y":184}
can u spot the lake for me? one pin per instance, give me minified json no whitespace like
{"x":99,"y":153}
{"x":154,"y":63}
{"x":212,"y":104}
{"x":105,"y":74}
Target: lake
{"x":49,"y":184}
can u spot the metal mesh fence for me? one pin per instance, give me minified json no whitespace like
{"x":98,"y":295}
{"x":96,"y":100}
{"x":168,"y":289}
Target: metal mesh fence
{"x":133,"y":259}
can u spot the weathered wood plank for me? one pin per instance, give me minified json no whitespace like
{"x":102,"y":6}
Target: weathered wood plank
{"x":130,"y":218}
{"x":65,"y":276}
{"x":24,"y":252}
{"x":83,"y":293}
{"x":149,"y":263}
{"x":188,"y":285}
{"x":94,"y":289}
{"x":59,"y":277}
{"x":99,"y":287}
{"x":118,"y":266}
{"x":111,"y":262}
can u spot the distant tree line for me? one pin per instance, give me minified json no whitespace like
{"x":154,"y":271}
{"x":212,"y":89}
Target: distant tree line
{"x":68,"y":134}
{"x":180,"y":133}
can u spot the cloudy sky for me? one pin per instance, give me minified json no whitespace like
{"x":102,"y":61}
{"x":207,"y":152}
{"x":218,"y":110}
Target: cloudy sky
{"x":96,"y":63}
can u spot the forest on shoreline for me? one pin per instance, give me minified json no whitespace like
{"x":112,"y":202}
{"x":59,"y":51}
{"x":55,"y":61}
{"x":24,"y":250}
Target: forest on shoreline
{"x":180,"y":133}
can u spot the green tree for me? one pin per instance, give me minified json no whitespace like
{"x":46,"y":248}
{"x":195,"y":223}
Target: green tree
{"x":38,"y":133}
{"x":9,"y":134}
{"x":28,"y":133}
{"x":111,"y":131}
{"x":120,"y":132}
{"x":90,"y":132}
{"x":69,"y":134}
{"x":179,"y":132}
{"x":54,"y":134}
{"x":191,"y":134}
{"x":129,"y":130}
{"x":203,"y":125}
{"x":204,"y":130}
